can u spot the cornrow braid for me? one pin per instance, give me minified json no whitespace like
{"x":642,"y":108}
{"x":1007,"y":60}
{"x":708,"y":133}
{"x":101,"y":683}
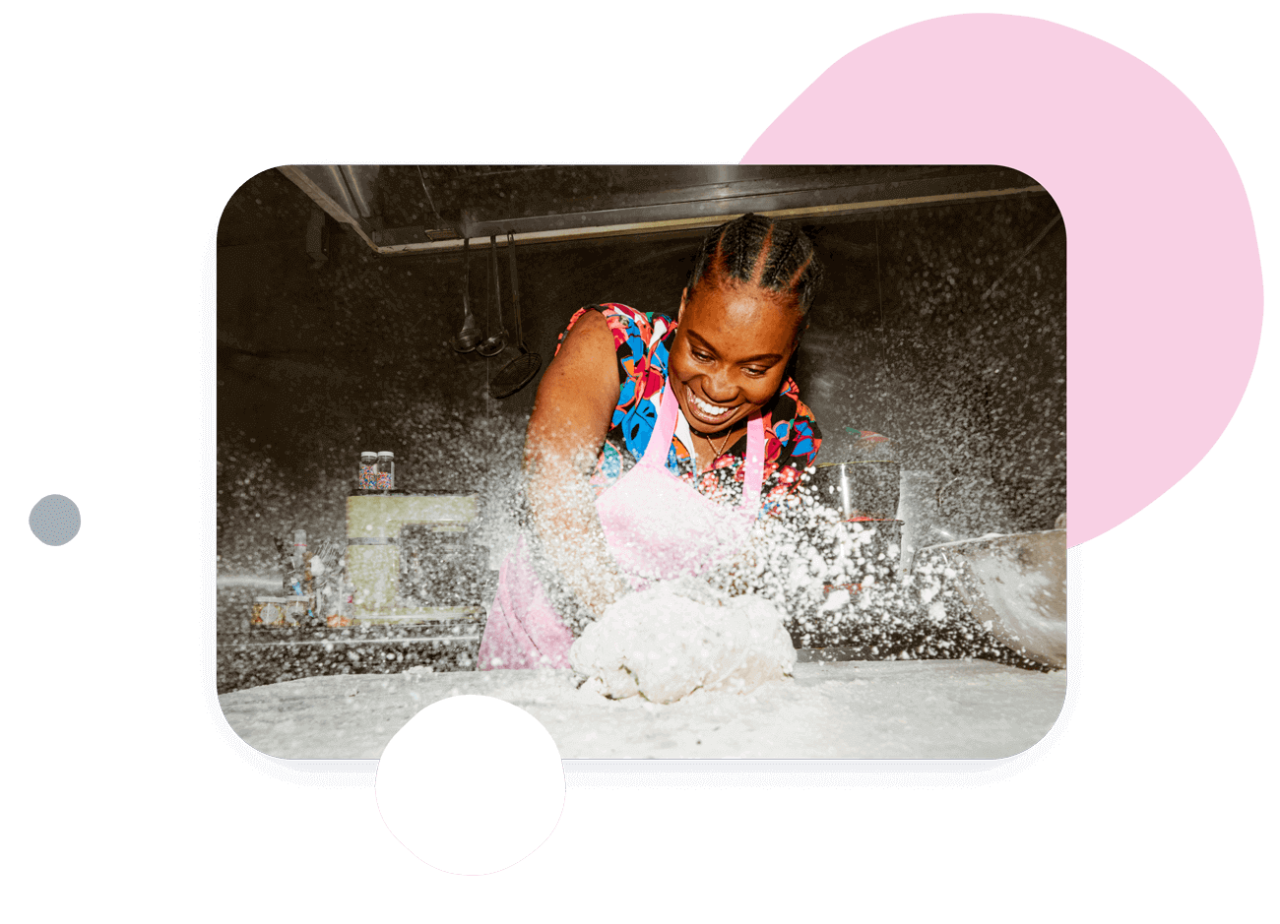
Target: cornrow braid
{"x":788,"y":264}
{"x":775,"y":268}
{"x":740,"y":253}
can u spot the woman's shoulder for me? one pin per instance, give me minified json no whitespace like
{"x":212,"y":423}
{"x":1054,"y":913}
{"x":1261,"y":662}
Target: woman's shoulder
{"x":646,"y":324}
{"x":634,"y":331}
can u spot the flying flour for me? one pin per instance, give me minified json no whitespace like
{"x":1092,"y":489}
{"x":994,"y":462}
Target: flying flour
{"x":681,"y":636}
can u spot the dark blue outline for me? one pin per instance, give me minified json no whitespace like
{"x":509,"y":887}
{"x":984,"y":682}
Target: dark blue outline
{"x":598,"y":774}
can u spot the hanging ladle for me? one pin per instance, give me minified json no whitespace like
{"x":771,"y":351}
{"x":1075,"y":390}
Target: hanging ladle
{"x":520,"y":371}
{"x":495,"y":344}
{"x":470,"y":336}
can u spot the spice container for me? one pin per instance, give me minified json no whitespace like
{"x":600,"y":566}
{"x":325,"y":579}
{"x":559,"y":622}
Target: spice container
{"x":386,"y":472}
{"x":338,"y":613}
{"x":367,"y":477}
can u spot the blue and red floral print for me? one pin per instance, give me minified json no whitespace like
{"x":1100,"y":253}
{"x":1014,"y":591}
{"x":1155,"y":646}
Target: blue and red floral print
{"x":642,"y":342}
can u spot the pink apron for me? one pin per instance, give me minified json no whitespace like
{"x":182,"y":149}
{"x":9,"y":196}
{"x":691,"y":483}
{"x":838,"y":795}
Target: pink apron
{"x":657,"y":527}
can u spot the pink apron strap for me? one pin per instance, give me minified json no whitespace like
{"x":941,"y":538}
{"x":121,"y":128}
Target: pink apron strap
{"x":753,"y":477}
{"x":655,"y":454}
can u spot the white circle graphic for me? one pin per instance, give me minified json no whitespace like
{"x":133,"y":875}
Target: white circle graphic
{"x":471,"y":785}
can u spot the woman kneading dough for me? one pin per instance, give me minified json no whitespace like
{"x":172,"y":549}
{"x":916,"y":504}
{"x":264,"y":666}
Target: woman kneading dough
{"x":655,"y":444}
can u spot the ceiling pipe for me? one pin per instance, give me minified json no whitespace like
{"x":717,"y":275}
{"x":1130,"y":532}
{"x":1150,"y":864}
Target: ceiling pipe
{"x":342,"y":206}
{"x":701,"y":223}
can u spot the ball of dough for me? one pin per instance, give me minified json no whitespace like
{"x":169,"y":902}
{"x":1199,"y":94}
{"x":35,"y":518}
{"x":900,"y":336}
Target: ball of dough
{"x":676,"y":637}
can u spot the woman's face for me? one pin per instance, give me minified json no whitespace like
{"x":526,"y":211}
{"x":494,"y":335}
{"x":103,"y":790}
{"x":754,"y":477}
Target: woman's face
{"x":729,"y":353}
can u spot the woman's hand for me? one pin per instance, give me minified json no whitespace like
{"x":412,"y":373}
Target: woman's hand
{"x":755,"y":568}
{"x":739,"y":574}
{"x":570,"y":420}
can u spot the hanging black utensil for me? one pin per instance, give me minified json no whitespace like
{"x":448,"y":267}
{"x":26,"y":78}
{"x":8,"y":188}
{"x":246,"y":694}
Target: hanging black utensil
{"x":516,"y":374}
{"x":495,"y":344}
{"x":470,"y":336}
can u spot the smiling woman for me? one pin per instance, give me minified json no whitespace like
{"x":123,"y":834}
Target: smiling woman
{"x":730,"y":353}
{"x":655,"y":443}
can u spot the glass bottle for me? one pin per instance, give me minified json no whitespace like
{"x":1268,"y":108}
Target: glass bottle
{"x":297,"y":575}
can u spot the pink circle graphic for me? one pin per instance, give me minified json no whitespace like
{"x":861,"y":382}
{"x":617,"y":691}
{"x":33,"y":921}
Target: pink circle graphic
{"x":1164,"y":283}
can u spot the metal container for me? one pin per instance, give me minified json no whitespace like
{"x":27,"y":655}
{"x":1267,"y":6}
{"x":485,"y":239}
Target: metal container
{"x":1015,"y":587}
{"x":948,"y":508}
{"x":278,"y":611}
{"x":922,"y":520}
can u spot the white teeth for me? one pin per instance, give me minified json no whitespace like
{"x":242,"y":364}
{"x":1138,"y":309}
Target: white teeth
{"x":711,"y":410}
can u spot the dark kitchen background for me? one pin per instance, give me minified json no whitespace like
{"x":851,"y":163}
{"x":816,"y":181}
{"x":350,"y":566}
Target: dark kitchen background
{"x":941,"y":324}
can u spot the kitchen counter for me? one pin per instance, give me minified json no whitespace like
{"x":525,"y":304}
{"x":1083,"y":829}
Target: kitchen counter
{"x":848,"y":709}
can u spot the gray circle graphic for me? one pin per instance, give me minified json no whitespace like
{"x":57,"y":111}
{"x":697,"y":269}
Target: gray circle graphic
{"x":55,"y":519}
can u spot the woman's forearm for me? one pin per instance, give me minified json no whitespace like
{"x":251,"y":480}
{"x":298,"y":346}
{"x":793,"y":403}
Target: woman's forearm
{"x":569,"y":422}
{"x":568,"y":531}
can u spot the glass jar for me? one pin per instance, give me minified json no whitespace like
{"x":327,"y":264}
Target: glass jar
{"x":386,"y":472}
{"x":367,"y":478}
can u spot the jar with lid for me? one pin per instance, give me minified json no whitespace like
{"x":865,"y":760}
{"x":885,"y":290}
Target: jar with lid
{"x":386,"y":472}
{"x":367,"y":477}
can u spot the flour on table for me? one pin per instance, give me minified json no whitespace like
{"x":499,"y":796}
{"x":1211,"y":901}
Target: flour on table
{"x":681,"y":636}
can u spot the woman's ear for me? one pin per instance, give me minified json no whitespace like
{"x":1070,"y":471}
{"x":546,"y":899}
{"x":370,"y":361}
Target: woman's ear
{"x":684,"y":295}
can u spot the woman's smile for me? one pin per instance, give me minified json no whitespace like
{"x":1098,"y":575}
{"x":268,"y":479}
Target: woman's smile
{"x":707,"y":412}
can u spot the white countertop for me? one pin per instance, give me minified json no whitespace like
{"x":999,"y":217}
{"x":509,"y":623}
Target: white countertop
{"x":849,"y":709}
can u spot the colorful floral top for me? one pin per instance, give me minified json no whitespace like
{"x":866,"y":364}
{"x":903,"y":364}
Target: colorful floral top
{"x":642,"y":342}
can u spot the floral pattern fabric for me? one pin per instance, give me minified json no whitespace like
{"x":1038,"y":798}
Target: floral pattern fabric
{"x":642,"y":343}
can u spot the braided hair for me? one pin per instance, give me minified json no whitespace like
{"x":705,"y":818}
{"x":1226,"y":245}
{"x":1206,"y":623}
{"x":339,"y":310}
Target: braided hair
{"x":762,"y":253}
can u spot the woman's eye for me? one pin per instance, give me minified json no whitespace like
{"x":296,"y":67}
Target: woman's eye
{"x":756,"y":372}
{"x":701,"y":357}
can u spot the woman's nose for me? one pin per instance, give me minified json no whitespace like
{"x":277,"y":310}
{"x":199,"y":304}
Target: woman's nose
{"x":719,"y":388}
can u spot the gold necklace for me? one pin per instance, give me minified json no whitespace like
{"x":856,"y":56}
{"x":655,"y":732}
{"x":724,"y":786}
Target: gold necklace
{"x":718,"y":452}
